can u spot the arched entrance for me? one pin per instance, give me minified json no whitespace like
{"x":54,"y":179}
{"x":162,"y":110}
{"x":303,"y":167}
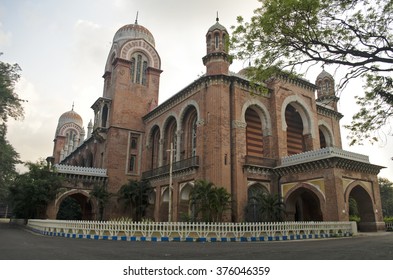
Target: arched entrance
{"x":75,"y":205}
{"x":185,"y":211}
{"x":364,"y":207}
{"x":305,"y":203}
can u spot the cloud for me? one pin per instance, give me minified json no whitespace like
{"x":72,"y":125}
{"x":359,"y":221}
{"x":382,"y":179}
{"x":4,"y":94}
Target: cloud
{"x":5,"y":37}
{"x":30,"y":136}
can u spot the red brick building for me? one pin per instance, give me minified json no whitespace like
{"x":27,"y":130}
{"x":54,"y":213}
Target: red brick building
{"x":284,"y":141}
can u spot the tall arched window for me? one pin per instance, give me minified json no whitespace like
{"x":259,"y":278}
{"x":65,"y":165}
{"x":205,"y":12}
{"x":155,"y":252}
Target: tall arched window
{"x":295,"y":139}
{"x":171,"y":137}
{"x":254,"y":136}
{"x":155,"y":147}
{"x":104,"y":117}
{"x":216,"y":40}
{"x":139,"y":64}
{"x":189,"y":136}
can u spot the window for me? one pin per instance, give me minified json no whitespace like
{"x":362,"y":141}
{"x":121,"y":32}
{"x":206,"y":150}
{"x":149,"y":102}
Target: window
{"x":138,"y":71}
{"x":133,"y":155}
{"x":217,"y":40}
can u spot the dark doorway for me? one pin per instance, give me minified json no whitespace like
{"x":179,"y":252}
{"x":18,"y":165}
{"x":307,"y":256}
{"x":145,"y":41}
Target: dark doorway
{"x":304,"y":205}
{"x":75,"y":207}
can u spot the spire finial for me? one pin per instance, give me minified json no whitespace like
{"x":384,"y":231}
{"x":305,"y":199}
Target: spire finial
{"x":72,"y":106}
{"x":217,"y":19}
{"x":136,"y":19}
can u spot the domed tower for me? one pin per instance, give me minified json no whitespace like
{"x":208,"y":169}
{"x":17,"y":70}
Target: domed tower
{"x":131,"y":79}
{"x":326,"y":92}
{"x":217,"y":60}
{"x":131,"y":87}
{"x":69,"y":135}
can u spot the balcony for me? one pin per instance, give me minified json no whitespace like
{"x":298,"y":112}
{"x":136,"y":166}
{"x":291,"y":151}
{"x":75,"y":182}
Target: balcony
{"x":178,"y":166}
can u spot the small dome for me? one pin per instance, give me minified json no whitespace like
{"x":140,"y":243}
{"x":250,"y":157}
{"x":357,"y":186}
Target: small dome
{"x":70,"y":117}
{"x":134,"y":31}
{"x":217,"y":26}
{"x":324,"y":75}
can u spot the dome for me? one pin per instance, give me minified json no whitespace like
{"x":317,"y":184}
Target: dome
{"x":70,"y":117}
{"x":134,"y":31}
{"x":217,"y":26}
{"x":324,"y":75}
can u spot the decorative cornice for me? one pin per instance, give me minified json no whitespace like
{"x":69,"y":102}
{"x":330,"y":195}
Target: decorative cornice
{"x":185,"y":93}
{"x":78,"y":170}
{"x":213,"y":55}
{"x":298,"y":82}
{"x":328,"y":112}
{"x":316,"y":160}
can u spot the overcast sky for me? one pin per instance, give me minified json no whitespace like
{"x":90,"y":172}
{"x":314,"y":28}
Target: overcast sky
{"x":62,"y":47}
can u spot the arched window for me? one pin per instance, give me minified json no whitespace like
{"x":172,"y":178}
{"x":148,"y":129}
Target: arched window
{"x":254,"y":136}
{"x":155,"y":147}
{"x":216,"y":40}
{"x":104,"y":117}
{"x":189,"y":135}
{"x":133,"y":157}
{"x":138,"y":71}
{"x":295,"y":139}
{"x":170,"y":137}
{"x":327,"y":87}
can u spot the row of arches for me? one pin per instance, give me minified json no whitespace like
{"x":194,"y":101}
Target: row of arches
{"x":182,"y":132}
{"x":297,"y":125}
{"x":306,"y":202}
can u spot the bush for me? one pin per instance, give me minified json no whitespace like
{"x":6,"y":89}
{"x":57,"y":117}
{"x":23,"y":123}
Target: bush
{"x":388,"y":219}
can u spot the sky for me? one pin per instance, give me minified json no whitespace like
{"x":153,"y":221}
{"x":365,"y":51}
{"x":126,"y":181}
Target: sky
{"x":62,"y":47}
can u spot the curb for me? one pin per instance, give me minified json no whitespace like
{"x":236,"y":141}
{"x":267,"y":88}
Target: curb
{"x":190,"y":239}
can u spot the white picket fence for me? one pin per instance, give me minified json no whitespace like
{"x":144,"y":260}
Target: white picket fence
{"x":180,"y":231}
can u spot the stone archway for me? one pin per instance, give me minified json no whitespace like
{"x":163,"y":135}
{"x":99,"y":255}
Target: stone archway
{"x":305,"y":203}
{"x":365,"y":207}
{"x":87,"y":204}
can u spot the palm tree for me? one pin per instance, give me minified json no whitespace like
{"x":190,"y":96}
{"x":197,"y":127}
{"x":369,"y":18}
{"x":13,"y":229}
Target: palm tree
{"x":270,"y":207}
{"x":199,"y":198}
{"x":220,"y":202}
{"x":209,"y":201}
{"x":136,"y":194}
{"x":102,"y":196}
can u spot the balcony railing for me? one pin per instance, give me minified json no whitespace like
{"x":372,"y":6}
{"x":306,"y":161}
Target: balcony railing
{"x":176,"y":166}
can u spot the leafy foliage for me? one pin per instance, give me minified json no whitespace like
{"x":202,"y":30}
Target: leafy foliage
{"x":10,"y":104}
{"x":102,"y":196}
{"x":31,"y":192}
{"x":209,"y":201}
{"x":8,"y":159}
{"x":135,"y":195}
{"x":355,"y":34}
{"x":386,"y":190}
{"x":267,"y":207}
{"x":69,"y":209}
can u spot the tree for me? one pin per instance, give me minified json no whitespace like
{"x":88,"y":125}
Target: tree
{"x":293,"y":35}
{"x":269,"y":207}
{"x":386,"y":190}
{"x":102,"y":196}
{"x":209,"y":201}
{"x":135,"y":194}
{"x":8,"y":159}
{"x":10,"y":106}
{"x":31,"y":192}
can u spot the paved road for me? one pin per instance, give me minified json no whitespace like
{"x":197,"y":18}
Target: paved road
{"x":16,"y":243}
